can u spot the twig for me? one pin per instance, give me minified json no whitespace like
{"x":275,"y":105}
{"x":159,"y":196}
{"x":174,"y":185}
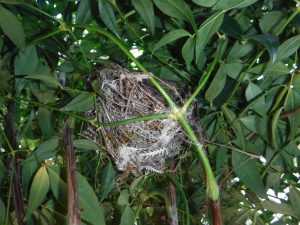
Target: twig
{"x":171,"y":193}
{"x":289,"y":113}
{"x":72,"y":187}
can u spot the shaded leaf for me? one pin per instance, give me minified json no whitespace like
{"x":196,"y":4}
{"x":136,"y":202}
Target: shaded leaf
{"x":127,"y":217}
{"x":11,"y":1}
{"x":80,"y":103}
{"x":177,"y":9}
{"x":39,"y":188}
{"x":288,"y":47}
{"x":205,"y":3}
{"x":44,"y":151}
{"x":231,"y":4}
{"x":252,"y":91}
{"x":269,"y":41}
{"x":85,"y":144}
{"x":46,"y":79}
{"x":209,"y":27}
{"x":46,"y":122}
{"x":234,"y":69}
{"x":270,"y":20}
{"x":188,"y":50}
{"x":170,"y":37}
{"x":282,"y":208}
{"x":294,"y":197}
{"x":145,"y":9}
{"x":123,"y":197}
{"x":83,"y":15}
{"x":275,"y":127}
{"x":58,"y":185}
{"x":2,"y":212}
{"x":28,"y":171}
{"x":108,"y":16}
{"x":11,"y":27}
{"x":26,"y":61}
{"x":107,"y":180}
{"x":231,"y":27}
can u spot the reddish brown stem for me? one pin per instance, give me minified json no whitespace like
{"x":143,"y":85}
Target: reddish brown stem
{"x":289,"y":113}
{"x":172,"y":199}
{"x":215,"y":209}
{"x":72,"y":187}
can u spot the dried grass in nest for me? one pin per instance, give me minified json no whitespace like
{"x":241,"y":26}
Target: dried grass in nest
{"x":142,"y":146}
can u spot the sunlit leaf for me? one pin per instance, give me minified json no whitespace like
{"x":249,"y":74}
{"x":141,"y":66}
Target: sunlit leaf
{"x":145,"y":9}
{"x":294,"y":197}
{"x":39,"y":188}
{"x":231,"y":4}
{"x":188,"y":50}
{"x":80,"y":103}
{"x":11,"y":27}
{"x":282,"y":208}
{"x":209,"y":27}
{"x":205,"y":3}
{"x":170,"y":37}
{"x":108,"y":16}
{"x":288,"y":47}
{"x":85,"y":144}
{"x":275,"y":127}
{"x":127,"y":217}
{"x":107,"y":180}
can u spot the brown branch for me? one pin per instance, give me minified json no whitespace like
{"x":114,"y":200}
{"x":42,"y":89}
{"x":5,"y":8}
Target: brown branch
{"x":171,"y":198}
{"x":12,"y":164}
{"x":289,"y":113}
{"x":72,"y":186}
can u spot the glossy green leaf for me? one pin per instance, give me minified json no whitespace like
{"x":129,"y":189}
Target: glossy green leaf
{"x":188,"y":50}
{"x":83,"y":15}
{"x":127,"y":217}
{"x":44,"y":151}
{"x":231,"y":4}
{"x":2,"y":212}
{"x":145,"y":9}
{"x":252,"y":91}
{"x":170,"y":37}
{"x":275,"y":127}
{"x":205,"y":3}
{"x":216,"y":85}
{"x":107,"y":180}
{"x":46,"y":122}
{"x":81,"y":103}
{"x":26,"y":61}
{"x":209,"y":27}
{"x":39,"y":188}
{"x":282,"y":208}
{"x":46,"y":79}
{"x":85,"y":144}
{"x":108,"y":16}
{"x":294,"y":197}
{"x":247,"y":171}
{"x":269,"y":41}
{"x":12,"y":28}
{"x":288,"y":47}
{"x":270,"y":21}
{"x":176,"y":8}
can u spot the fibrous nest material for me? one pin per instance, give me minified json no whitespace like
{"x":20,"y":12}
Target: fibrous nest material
{"x":141,"y":146}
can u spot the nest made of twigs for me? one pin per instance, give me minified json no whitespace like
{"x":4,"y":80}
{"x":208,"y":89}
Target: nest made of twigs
{"x":140,"y":146}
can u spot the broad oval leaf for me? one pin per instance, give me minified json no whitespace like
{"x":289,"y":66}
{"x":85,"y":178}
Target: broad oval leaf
{"x":271,"y":21}
{"x":177,"y":9}
{"x":107,"y":180}
{"x":205,"y":3}
{"x":170,"y":37}
{"x":39,"y":188}
{"x":26,"y":61}
{"x":108,"y":16}
{"x":188,"y":50}
{"x":127,"y":217}
{"x":209,"y":27}
{"x":80,"y":103}
{"x":46,"y":122}
{"x":288,"y":47}
{"x":252,"y":91}
{"x":269,"y":41}
{"x":231,"y":4}
{"x":85,"y":144}
{"x":44,"y":151}
{"x":145,"y":9}
{"x":12,"y":28}
{"x":46,"y":79}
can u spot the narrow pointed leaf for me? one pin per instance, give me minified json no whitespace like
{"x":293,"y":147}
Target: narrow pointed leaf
{"x":275,"y":127}
{"x":108,"y":176}
{"x":127,"y":217}
{"x":45,"y":122}
{"x":188,"y":50}
{"x":108,"y":16}
{"x":26,"y":61}
{"x":85,"y":144}
{"x":231,"y":4}
{"x":205,"y":3}
{"x":80,"y":103}
{"x":288,"y":47}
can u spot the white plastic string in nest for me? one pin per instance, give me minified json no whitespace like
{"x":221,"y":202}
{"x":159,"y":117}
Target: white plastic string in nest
{"x":142,"y":146}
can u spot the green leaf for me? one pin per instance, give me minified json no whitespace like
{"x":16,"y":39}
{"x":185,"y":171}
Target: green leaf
{"x":92,"y":210}
{"x":11,"y":27}
{"x":269,"y":41}
{"x":205,"y":3}
{"x":247,"y":171}
{"x":46,"y":122}
{"x":108,"y":16}
{"x":238,"y":51}
{"x":127,"y":217}
{"x":294,"y":197}
{"x":170,"y":37}
{"x":44,"y":151}
{"x":231,"y":4}
{"x":188,"y":50}
{"x":107,"y":180}
{"x":177,"y":9}
{"x":83,"y":15}
{"x":58,"y":185}
{"x":145,"y":9}
{"x":282,"y":208}
{"x":26,"y":61}
{"x":209,"y":27}
{"x":80,"y":103}
{"x":39,"y":188}
{"x":270,"y":20}
{"x":231,"y":27}
{"x":252,"y":91}
{"x":2,"y":212}
{"x":216,"y":85}
{"x":28,"y":171}
{"x":275,"y":127}
{"x":85,"y":144}
{"x":2,"y":170}
{"x":46,"y":79}
{"x":11,"y":1}
{"x":288,"y":47}
{"x":233,"y":69}
{"x":123,"y":197}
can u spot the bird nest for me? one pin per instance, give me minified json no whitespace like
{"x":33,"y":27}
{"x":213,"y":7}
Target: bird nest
{"x":141,"y":146}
